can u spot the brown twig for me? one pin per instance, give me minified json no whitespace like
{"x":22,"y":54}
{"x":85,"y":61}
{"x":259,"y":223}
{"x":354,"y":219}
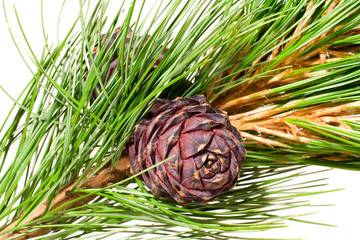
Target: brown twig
{"x":104,"y":177}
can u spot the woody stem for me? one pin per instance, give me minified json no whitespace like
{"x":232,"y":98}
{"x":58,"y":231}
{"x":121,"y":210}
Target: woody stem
{"x":101,"y":179}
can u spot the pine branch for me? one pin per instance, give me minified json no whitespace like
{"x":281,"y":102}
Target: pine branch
{"x":66,"y":199}
{"x":303,"y":79}
{"x":286,"y":71}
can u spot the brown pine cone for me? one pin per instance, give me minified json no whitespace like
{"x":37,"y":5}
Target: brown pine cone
{"x":115,"y":58}
{"x":207,"y":150}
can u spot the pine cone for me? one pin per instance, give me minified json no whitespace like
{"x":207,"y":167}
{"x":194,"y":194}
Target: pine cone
{"x":115,"y":58}
{"x":207,"y":150}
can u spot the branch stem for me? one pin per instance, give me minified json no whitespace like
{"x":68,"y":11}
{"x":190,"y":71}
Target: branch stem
{"x":106,"y":176}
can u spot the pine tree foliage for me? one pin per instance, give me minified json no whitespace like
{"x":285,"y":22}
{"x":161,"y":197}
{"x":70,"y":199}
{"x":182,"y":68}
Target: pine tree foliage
{"x":285,"y":71}
{"x":299,"y":89}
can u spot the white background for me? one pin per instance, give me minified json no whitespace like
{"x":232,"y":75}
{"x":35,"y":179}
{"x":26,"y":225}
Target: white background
{"x":344,"y":213}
